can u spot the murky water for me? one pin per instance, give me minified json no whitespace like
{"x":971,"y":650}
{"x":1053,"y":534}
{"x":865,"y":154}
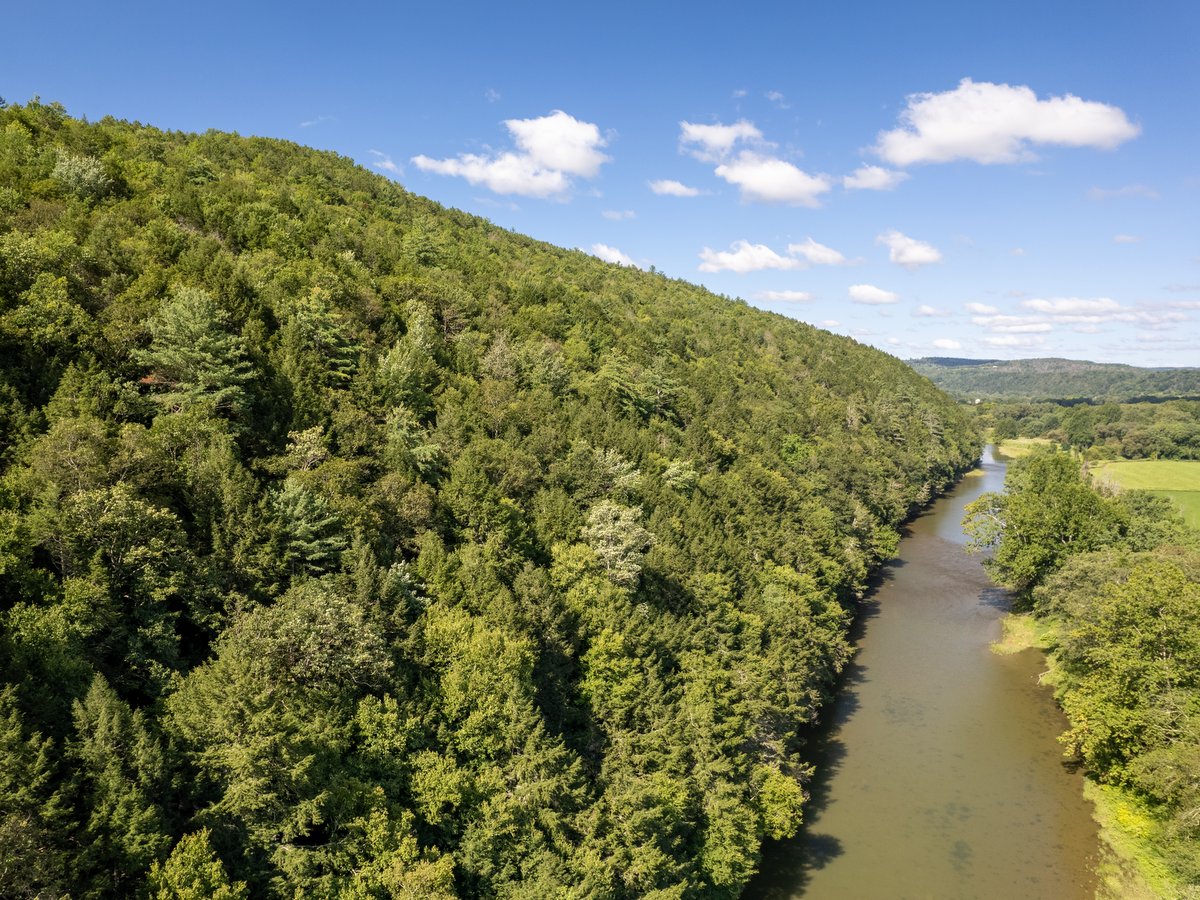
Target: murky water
{"x":939,"y":772}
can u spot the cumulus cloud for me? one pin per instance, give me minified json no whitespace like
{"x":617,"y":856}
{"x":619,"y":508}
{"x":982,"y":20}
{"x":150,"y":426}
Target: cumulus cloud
{"x":1127,"y":239}
{"x":925,"y":311}
{"x":873,"y":178}
{"x":745,"y":257}
{"x":981,"y":309}
{"x":998,"y":123}
{"x":871,"y":295}
{"x":778,"y":99}
{"x":817,"y":254}
{"x":908,"y":252}
{"x":551,"y":150}
{"x":712,"y":143}
{"x":786,"y":296}
{"x":612,"y":255}
{"x":618,"y":215}
{"x":770,"y":180}
{"x":673,"y":188}
{"x":947,"y":344}
{"x":384,"y":162}
{"x":830,"y":323}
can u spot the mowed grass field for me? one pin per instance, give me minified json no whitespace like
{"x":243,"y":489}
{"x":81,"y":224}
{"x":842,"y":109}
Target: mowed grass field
{"x":1174,"y":478}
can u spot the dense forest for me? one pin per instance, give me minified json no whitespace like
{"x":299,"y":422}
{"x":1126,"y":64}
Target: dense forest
{"x":1165,"y":430}
{"x":1055,"y":379}
{"x":353,"y":546}
{"x":1115,"y":580}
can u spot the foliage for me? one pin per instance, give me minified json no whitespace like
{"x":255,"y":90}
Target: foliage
{"x":1054,"y":379}
{"x":1115,"y":580}
{"x":353,"y":546}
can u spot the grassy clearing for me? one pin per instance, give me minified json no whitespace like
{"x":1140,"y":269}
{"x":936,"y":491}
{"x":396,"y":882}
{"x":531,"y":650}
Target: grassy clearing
{"x":1021,"y":632}
{"x":1015,"y":448}
{"x":1177,"y":479}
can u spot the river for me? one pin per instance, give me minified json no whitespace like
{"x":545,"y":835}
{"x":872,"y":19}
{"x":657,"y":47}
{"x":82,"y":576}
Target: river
{"x":938,"y":770}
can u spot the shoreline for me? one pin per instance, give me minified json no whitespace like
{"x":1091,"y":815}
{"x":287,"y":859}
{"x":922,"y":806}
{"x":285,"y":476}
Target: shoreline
{"x":1130,"y":868}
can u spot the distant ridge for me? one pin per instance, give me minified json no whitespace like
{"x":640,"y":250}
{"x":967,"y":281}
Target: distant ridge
{"x":1055,"y":379}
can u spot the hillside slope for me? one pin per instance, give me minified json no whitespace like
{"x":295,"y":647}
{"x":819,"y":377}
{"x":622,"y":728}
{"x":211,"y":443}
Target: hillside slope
{"x":353,"y":546}
{"x":1055,"y":379}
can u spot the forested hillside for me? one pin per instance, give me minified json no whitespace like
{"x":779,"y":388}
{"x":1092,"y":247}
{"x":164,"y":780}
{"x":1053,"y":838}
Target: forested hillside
{"x":1055,"y":379}
{"x":353,"y":546}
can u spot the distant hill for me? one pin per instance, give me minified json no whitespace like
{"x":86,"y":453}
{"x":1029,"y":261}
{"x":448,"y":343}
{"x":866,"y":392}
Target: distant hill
{"x":1054,"y":379}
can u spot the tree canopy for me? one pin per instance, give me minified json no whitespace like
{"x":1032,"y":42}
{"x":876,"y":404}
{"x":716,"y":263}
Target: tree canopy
{"x":353,"y":546}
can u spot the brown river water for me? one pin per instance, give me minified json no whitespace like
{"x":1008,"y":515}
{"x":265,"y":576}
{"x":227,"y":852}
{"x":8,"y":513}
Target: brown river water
{"x":938,"y":770}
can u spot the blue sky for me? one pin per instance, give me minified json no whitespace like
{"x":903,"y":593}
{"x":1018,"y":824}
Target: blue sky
{"x":982,"y":180}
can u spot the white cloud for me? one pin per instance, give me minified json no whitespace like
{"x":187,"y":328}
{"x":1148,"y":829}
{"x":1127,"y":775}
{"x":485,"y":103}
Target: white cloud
{"x":873,"y":178}
{"x":504,"y":174}
{"x":924,"y":310}
{"x":1080,"y":311}
{"x":1073,"y":306}
{"x":771,"y":180}
{"x":1017,"y":251}
{"x":560,"y":142}
{"x":612,"y":255}
{"x":997,"y":123}
{"x":745,"y":257}
{"x":786,"y":296}
{"x":981,"y":309}
{"x":1013,"y":340}
{"x":1127,"y":239}
{"x":673,"y":188}
{"x":553,"y":149}
{"x":712,"y":143}
{"x":947,"y":344}
{"x":871,"y":295}
{"x":817,"y":254}
{"x":1013,"y":324}
{"x":908,"y":252}
{"x":778,"y":99}
{"x":830,"y":323}
{"x":491,"y":95}
{"x":1130,"y":190}
{"x":618,"y":215}
{"x":385,"y":162}
{"x":317,"y":121}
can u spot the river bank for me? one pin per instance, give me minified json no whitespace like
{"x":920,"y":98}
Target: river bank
{"x":1129,"y":867}
{"x":939,"y":773}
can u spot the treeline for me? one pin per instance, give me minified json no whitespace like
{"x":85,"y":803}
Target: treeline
{"x":1163,"y":430}
{"x":1055,"y":379}
{"x":1117,"y":580}
{"x":352,"y":546}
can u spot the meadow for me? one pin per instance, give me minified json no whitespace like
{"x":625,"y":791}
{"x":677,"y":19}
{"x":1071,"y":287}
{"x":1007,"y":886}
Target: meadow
{"x":1174,"y":478}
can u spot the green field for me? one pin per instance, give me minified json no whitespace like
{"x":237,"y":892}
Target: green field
{"x":1015,"y":448}
{"x":1177,"y":479}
